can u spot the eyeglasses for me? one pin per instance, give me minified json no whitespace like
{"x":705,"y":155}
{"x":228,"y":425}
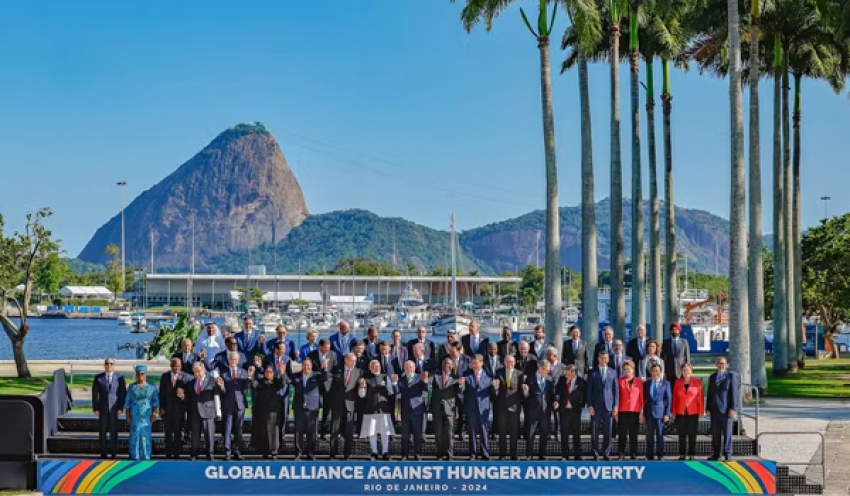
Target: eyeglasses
{"x":109,"y":363}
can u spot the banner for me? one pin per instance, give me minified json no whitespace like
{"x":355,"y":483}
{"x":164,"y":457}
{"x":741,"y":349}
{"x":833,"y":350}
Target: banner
{"x":373,"y":478}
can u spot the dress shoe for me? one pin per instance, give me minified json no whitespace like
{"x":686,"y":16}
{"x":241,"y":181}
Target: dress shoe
{"x":312,"y":458}
{"x":691,"y":458}
{"x":577,"y":459}
{"x":606,"y":458}
{"x":514,"y":457}
{"x":297,"y":457}
{"x":418,"y":458}
{"x":486,"y":458}
{"x":727,"y":457}
{"x":227,"y":457}
{"x":682,"y":457}
{"x":237,"y":456}
{"x":595,"y":457}
{"x":103,"y":457}
{"x":374,"y":456}
{"x":621,"y":458}
{"x":192,"y":458}
{"x":209,"y":458}
{"x":113,"y":456}
{"x":387,"y":457}
{"x":713,"y":458}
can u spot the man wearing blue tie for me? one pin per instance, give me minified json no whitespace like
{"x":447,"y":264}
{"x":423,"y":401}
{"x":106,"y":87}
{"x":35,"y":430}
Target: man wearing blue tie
{"x":636,"y":349}
{"x":606,"y":345}
{"x":539,"y":344}
{"x":658,"y":399}
{"x":476,"y":391}
{"x":342,"y":343}
{"x":473,"y":343}
{"x":107,"y":400}
{"x":602,"y":399}
{"x":723,"y":400}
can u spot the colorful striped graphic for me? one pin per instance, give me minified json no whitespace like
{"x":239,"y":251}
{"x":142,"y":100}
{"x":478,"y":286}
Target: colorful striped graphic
{"x":747,"y":477}
{"x":88,"y":476}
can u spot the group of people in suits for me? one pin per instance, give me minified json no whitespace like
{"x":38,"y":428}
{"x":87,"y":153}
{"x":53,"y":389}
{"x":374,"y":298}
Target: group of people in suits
{"x":471,"y":385}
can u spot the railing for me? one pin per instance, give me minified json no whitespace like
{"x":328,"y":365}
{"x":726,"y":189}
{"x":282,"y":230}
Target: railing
{"x":806,"y":464}
{"x":741,"y":410}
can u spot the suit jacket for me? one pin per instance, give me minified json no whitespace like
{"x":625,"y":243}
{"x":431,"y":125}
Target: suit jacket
{"x":306,"y":398}
{"x":413,"y":396}
{"x":673,"y":362}
{"x":108,"y":398}
{"x":269,"y":346}
{"x":633,"y":350}
{"x":508,"y":347}
{"x":389,"y":366}
{"x":203,"y":404}
{"x":220,"y":363}
{"x":306,"y":349}
{"x":597,"y":349}
{"x":539,"y":401}
{"x":442,"y":353}
{"x":644,"y":367}
{"x":336,"y":345}
{"x":430,"y":348}
{"x":577,"y":395}
{"x":463,"y":365}
{"x":272,"y":361}
{"x":316,"y":357}
{"x":372,"y":353}
{"x":380,"y":394}
{"x":233,"y":399}
{"x":363,"y":362}
{"x":401,"y":354}
{"x":659,"y":406}
{"x":579,"y":358}
{"x":692,"y":399}
{"x":249,"y":345}
{"x":556,"y":372}
{"x":476,"y":394}
{"x":541,"y":353}
{"x":427,"y":365}
{"x":483,"y":343}
{"x":188,"y":361}
{"x":615,"y":363}
{"x":510,"y":398}
{"x":631,"y":397}
{"x":168,"y":399}
{"x":723,"y":395}
{"x":602,"y":395}
{"x":344,"y":396}
{"x":490,"y":367}
{"x":443,"y":398}
{"x":527,"y":365}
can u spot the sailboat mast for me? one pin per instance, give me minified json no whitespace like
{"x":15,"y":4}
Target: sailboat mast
{"x":454,"y":267}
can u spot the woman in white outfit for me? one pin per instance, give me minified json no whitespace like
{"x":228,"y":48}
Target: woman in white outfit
{"x":378,"y":393}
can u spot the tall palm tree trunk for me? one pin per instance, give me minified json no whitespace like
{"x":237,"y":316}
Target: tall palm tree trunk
{"x":638,"y":310}
{"x":656,"y":320}
{"x":780,"y":329}
{"x":793,"y":327}
{"x":756,"y":269}
{"x":553,"y":239}
{"x":589,"y":275}
{"x":739,"y":339}
{"x":618,"y":297}
{"x":671,"y":292}
{"x":796,"y":233}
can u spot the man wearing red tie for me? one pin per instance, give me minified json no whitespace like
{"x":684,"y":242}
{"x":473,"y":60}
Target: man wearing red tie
{"x":570,"y":393}
{"x":344,"y":394}
{"x":233,"y":405}
{"x":281,"y":362}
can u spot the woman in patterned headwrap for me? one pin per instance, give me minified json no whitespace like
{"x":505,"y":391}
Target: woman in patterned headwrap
{"x":141,"y":406}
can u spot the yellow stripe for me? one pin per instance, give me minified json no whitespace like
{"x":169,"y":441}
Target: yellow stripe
{"x":753,"y":487}
{"x":92,"y":477}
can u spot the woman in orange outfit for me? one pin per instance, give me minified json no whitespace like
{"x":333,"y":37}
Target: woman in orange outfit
{"x":688,"y":406}
{"x":629,"y":410}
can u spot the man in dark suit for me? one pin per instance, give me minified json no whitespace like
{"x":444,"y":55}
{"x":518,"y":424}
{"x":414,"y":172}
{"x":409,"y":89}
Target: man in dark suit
{"x":607,"y":344}
{"x":233,"y":404}
{"x":444,"y":394}
{"x":345,"y":401}
{"x":270,"y":345}
{"x":221,"y":362}
{"x":474,"y":343}
{"x":603,"y":396}
{"x":476,"y":390}
{"x":342,"y":342}
{"x":413,"y":398}
{"x":428,"y":345}
{"x":576,"y":352}
{"x":675,"y":352}
{"x":108,"y":392}
{"x":372,"y":343}
{"x":492,"y":360}
{"x":420,"y":359}
{"x":658,"y":396}
{"x":508,"y":405}
{"x":362,"y":358}
{"x":507,"y":346}
{"x":398,"y":350}
{"x":723,"y":400}
{"x":202,"y":391}
{"x":539,"y":392}
{"x":556,"y":372}
{"x":570,"y":393}
{"x":307,"y":385}
{"x":445,"y":349}
{"x":172,"y":387}
{"x":526,"y":361}
{"x":539,"y":345}
{"x":461,"y":364}
{"x":281,"y":362}
{"x":636,"y":349}
{"x":618,"y":359}
{"x":317,"y":357}
{"x":188,"y":357}
{"x":250,"y":341}
{"x":385,"y":358}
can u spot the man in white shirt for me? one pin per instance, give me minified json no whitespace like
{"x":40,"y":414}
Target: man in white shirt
{"x":570,"y":393}
{"x":538,"y":347}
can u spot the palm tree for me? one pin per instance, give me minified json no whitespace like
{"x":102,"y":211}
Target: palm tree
{"x":638,"y":310}
{"x":780,"y":329}
{"x":586,"y":28}
{"x":656,"y":322}
{"x":739,"y":337}
{"x":487,"y":10}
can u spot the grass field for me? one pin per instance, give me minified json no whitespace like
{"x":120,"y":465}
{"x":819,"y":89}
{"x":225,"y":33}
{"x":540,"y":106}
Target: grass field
{"x":34,"y":385}
{"x":819,"y":379}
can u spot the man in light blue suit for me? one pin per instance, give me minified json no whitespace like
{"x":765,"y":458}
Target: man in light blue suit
{"x":342,"y":342}
{"x":658,"y":397}
{"x":270,"y":345}
{"x":602,"y":400}
{"x":250,"y":342}
{"x":476,"y":390}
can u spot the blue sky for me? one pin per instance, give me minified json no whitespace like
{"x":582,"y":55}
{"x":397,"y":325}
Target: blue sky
{"x":383,"y":105}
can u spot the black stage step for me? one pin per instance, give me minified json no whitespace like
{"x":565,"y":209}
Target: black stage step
{"x":788,"y":483}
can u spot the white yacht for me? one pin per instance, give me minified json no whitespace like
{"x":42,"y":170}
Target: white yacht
{"x":270,"y":321}
{"x":124,"y":318}
{"x":453,"y":319}
{"x":411,"y":306}
{"x":138,"y":319}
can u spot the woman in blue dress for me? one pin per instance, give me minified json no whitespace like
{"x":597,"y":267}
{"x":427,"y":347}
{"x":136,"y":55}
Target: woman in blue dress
{"x":141,"y":406}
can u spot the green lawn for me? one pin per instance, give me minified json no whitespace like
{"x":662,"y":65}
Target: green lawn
{"x":35,"y":385}
{"x":819,"y":379}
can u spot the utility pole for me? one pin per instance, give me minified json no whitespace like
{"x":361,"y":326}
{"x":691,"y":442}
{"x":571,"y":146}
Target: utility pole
{"x":121,"y":184}
{"x":537,"y":260}
{"x":152,"y":266}
{"x":825,"y":199}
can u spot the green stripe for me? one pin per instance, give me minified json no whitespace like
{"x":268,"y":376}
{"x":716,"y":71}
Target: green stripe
{"x":104,"y":477}
{"x":136,"y":469}
{"x":734,"y":486}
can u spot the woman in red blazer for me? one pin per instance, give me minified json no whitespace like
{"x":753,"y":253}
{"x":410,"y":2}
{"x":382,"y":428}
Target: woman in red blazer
{"x":629,"y":409}
{"x":688,"y":406}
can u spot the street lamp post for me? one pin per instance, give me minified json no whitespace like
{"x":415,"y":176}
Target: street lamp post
{"x":537,"y":259}
{"x":123,"y":256}
{"x":825,"y":199}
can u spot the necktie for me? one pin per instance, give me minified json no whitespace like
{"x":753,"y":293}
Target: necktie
{"x":197,"y":387}
{"x":478,"y":379}
{"x":455,"y":366}
{"x":654,"y":389}
{"x":474,"y":343}
{"x":604,"y":370}
{"x":280,"y":365}
{"x":109,"y":379}
{"x":608,"y":347}
{"x":409,"y":380}
{"x":385,"y":363}
{"x":674,"y":345}
{"x":173,"y":380}
{"x":445,"y":380}
{"x":542,"y":383}
{"x":419,"y":365}
{"x":233,"y":375}
{"x":185,"y":357}
{"x":575,"y":347}
{"x":347,"y":376}
{"x":569,"y":389}
{"x":304,"y":380}
{"x":640,"y":342}
{"x":719,"y":377}
{"x":509,"y":377}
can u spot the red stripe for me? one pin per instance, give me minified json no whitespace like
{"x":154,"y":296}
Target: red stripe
{"x":73,"y":476}
{"x":765,"y":477}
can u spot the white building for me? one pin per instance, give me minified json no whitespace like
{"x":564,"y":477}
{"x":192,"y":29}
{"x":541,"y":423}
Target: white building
{"x":86,"y":293}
